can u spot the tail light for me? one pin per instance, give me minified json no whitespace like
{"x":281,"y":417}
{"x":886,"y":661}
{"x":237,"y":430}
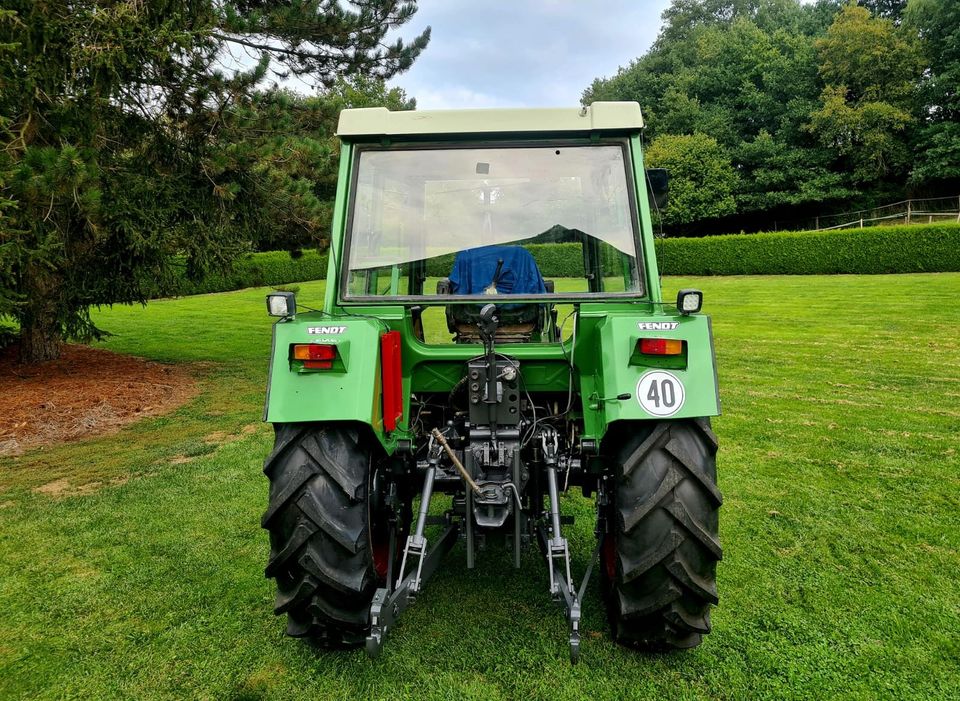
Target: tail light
{"x":661,"y":346}
{"x":315,"y":356}
{"x":392,"y":379}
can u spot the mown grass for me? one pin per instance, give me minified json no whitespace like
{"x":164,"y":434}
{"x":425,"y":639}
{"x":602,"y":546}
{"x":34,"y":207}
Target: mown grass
{"x":841,"y":528}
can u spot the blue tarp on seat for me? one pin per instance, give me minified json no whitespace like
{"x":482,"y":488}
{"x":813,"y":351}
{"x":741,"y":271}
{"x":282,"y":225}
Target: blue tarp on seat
{"x":473,"y":271}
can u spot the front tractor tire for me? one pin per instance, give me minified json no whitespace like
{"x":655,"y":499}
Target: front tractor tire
{"x":661,"y":550}
{"x":329,"y":532}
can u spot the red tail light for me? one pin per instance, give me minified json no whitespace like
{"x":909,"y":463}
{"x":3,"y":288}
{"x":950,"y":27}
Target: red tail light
{"x":661,"y":346}
{"x":392,"y":377}
{"x":315,"y":356}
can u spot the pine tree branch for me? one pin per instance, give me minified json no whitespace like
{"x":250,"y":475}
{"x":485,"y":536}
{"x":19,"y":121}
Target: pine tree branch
{"x":303,"y":55}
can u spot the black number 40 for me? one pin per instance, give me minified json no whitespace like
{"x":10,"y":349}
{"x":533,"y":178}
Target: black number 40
{"x":662,"y":391}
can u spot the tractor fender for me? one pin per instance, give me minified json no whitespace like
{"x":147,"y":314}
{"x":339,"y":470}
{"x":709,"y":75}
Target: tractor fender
{"x":619,"y":382}
{"x":347,"y":391}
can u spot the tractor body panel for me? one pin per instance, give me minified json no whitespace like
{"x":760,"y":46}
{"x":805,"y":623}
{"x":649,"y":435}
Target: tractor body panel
{"x":606,"y":364}
{"x":348,"y":391}
{"x":380,"y":122}
{"x":605,"y":358}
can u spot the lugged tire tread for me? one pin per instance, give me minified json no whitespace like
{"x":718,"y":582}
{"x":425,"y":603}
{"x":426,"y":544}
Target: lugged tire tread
{"x":666,"y":544}
{"x":634,"y":568}
{"x":683,"y":517}
{"x":300,"y":536}
{"x":642,"y":450}
{"x":703,"y":425}
{"x":676,"y":449}
{"x":302,"y":590}
{"x":637,"y":607}
{"x":631,"y":514}
{"x":292,"y":487}
{"x":682,"y":572}
{"x":285,"y":438}
{"x":347,"y":582}
{"x":683,"y":620}
{"x":331,"y":462}
{"x":318,"y":521}
{"x":312,"y":507}
{"x":321,"y":606}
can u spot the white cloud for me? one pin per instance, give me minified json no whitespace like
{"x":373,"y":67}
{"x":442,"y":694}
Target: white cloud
{"x":525,"y":53}
{"x":455,"y":98}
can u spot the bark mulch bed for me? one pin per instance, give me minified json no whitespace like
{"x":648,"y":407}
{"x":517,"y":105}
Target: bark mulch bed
{"x":87,"y":392}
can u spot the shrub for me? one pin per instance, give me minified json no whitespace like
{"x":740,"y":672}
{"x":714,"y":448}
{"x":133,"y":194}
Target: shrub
{"x":258,"y":270}
{"x":553,"y":259}
{"x":883,"y":249}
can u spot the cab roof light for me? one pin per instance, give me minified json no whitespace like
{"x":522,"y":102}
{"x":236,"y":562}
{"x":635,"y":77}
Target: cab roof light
{"x":661,"y":346}
{"x":315,"y":356}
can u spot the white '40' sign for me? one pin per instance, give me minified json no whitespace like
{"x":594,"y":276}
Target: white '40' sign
{"x":660,"y":393}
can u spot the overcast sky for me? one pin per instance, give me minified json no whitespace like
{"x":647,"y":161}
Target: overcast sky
{"x":524,"y":53}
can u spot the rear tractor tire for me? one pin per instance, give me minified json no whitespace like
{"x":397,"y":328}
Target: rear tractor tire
{"x":662,"y":547}
{"x":329,"y":532}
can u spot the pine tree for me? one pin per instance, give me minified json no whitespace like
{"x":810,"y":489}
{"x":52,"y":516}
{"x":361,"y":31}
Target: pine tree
{"x":123,"y":146}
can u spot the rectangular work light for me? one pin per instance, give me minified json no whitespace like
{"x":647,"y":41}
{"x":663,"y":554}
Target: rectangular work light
{"x":689,"y":301}
{"x":281,"y":304}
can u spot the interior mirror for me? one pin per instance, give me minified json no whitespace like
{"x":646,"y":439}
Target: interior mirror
{"x":658,"y":186}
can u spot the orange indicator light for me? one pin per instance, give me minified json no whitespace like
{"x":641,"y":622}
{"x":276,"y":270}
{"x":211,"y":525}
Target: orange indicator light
{"x":317,"y":356}
{"x":661,"y":346}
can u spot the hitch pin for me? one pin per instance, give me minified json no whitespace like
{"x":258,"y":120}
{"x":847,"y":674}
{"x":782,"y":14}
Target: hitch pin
{"x":456,"y":462}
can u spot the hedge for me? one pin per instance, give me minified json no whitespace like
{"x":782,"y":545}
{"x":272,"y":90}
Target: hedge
{"x":278,"y":268}
{"x":258,"y":270}
{"x":928,"y":248}
{"x":553,"y":259}
{"x":924,"y":248}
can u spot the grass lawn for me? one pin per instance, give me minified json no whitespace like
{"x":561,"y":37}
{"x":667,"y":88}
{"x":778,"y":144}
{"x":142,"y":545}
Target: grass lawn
{"x":841,"y":528}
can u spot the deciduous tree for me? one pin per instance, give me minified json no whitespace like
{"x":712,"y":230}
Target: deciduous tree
{"x":937,"y":24}
{"x":871,"y":70}
{"x":703,"y":181}
{"x":744,"y":72}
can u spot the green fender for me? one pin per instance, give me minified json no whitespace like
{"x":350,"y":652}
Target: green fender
{"x":348,"y":391}
{"x":611,"y":367}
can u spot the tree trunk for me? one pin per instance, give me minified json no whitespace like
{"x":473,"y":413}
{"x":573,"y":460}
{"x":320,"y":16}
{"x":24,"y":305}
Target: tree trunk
{"x":40,"y":329}
{"x":39,"y":342}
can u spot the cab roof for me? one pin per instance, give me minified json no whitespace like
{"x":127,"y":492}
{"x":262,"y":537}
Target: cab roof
{"x":598,"y":117}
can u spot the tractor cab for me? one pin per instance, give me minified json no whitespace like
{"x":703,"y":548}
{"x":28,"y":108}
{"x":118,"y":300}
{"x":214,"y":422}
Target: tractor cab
{"x":457,"y":224}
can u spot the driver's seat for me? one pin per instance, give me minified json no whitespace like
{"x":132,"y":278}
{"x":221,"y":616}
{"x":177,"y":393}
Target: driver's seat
{"x":495,"y":271}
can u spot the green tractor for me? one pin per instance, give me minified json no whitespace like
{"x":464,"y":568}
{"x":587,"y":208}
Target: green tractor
{"x":493,"y":330}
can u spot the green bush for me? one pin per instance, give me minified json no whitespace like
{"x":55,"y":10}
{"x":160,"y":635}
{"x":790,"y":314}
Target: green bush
{"x":440,"y":266}
{"x":553,"y":259}
{"x":558,"y":259}
{"x":258,"y":270}
{"x":884,"y":249}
